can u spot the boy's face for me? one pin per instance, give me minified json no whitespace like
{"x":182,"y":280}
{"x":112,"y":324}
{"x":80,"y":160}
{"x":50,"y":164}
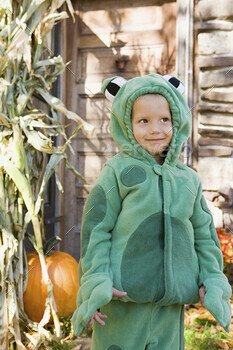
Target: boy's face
{"x":152,"y":124}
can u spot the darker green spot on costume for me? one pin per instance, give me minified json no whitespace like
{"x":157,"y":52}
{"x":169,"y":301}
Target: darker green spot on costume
{"x":94,"y":213}
{"x":184,"y":259}
{"x":133,"y":175}
{"x":114,"y":347}
{"x":147,"y":243}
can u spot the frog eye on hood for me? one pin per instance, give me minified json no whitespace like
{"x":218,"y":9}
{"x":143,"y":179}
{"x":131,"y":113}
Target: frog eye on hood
{"x":113,"y":87}
{"x":175,"y":82}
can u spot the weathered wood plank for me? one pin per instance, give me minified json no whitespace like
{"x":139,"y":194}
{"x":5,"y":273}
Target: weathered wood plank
{"x":82,"y":191}
{"x":214,"y":25}
{"x":90,"y":164}
{"x":97,"y":145}
{"x":211,"y":195}
{"x":218,"y":77}
{"x":215,"y":9}
{"x":97,"y":134}
{"x":215,"y":152}
{"x":95,"y":63}
{"x":221,"y":108}
{"x":226,"y":95}
{"x":216,"y":119}
{"x":102,"y":21}
{"x":210,"y":61}
{"x":101,"y":128}
{"x":95,"y":109}
{"x":216,"y":133}
{"x":122,"y":39}
{"x":92,"y":5}
{"x":215,"y":43}
{"x":205,"y":141}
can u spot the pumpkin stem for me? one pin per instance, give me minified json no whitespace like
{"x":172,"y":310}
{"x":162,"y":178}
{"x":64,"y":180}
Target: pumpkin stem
{"x":48,"y":246}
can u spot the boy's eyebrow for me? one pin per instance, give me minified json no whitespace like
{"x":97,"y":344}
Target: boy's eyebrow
{"x":141,"y":116}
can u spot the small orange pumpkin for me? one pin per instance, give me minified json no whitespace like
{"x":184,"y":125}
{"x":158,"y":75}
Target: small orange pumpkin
{"x":63,"y":273}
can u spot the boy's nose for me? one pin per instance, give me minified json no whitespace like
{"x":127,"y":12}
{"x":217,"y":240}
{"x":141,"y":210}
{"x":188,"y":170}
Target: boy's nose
{"x":154,"y":128}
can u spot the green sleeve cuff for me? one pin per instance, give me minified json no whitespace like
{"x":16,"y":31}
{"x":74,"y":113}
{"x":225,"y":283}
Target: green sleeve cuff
{"x":93,"y":294}
{"x":216,"y":301}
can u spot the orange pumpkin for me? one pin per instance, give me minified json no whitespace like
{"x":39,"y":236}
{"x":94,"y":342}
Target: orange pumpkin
{"x":63,"y":273}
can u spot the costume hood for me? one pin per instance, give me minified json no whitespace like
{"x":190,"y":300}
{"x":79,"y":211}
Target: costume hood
{"x":123,"y":93}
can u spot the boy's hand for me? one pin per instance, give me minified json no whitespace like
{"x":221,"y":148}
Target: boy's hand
{"x":97,"y":316}
{"x":202,"y":294}
{"x":118,"y":293}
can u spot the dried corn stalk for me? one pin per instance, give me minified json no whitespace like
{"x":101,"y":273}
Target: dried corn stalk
{"x":26,"y":134}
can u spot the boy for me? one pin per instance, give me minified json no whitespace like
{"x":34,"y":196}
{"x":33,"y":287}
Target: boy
{"x":148,"y":241}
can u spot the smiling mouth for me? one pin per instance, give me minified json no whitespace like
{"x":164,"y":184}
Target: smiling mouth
{"x":154,"y":140}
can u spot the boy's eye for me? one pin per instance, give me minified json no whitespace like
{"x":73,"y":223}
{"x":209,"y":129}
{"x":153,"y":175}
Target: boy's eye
{"x":165,"y":119}
{"x":143,"y":121}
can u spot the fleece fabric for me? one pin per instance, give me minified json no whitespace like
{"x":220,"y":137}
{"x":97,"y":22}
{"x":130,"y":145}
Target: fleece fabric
{"x":146,"y":227}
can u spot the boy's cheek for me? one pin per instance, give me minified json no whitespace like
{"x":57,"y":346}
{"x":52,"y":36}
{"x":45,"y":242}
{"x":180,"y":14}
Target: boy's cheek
{"x":169,"y":130}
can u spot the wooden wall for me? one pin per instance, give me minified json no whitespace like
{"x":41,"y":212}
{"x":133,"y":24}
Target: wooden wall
{"x":213,"y":119}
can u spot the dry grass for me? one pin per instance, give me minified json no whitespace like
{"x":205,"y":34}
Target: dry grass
{"x":202,"y":332}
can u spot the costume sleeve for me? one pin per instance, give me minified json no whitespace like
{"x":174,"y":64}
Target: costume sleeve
{"x":100,"y":214}
{"x":218,"y":290}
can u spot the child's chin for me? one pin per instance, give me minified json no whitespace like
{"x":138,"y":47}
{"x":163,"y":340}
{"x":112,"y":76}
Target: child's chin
{"x":156,"y":153}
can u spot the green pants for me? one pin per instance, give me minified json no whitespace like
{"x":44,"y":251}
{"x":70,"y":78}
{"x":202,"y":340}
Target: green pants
{"x":132,"y":326}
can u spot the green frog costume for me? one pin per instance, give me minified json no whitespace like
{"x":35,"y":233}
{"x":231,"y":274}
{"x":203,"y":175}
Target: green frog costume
{"x":147,"y":231}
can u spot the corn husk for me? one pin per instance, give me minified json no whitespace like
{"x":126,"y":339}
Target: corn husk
{"x":28,"y":154}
